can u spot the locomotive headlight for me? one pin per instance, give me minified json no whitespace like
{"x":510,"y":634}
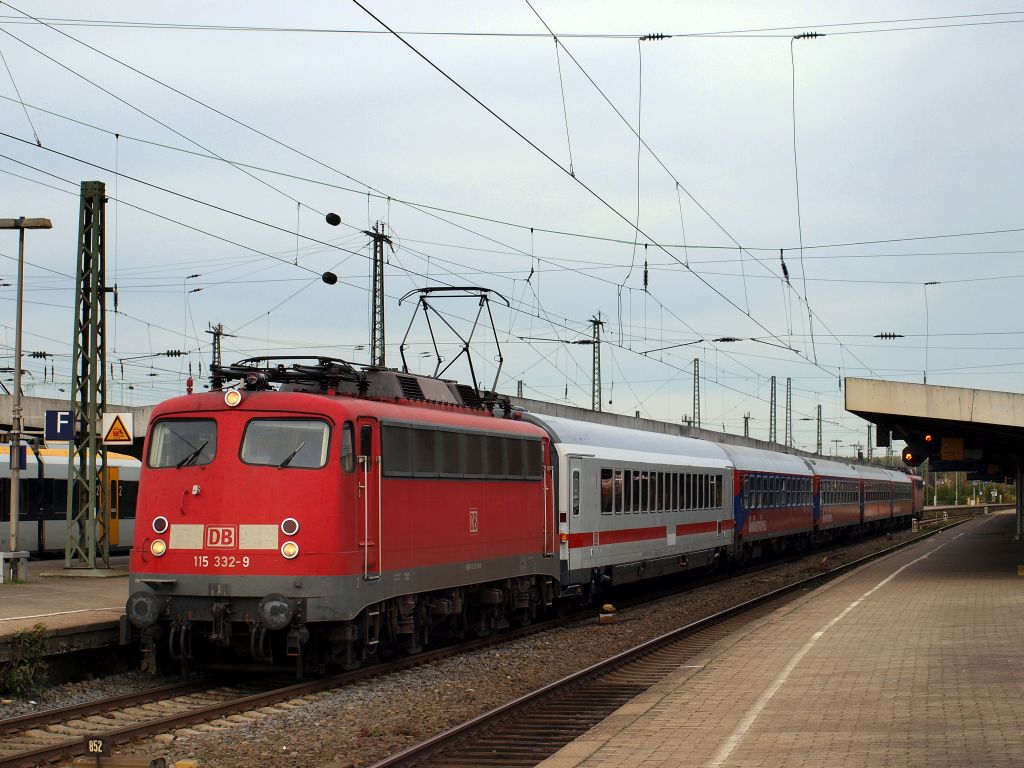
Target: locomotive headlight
{"x":158,"y":547}
{"x":289,"y":526}
{"x":232,"y":398}
{"x":160,"y":524}
{"x":290,"y":550}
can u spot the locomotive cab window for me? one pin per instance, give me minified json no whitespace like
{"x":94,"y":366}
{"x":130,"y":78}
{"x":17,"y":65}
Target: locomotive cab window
{"x":182,"y":442}
{"x":300,"y":443}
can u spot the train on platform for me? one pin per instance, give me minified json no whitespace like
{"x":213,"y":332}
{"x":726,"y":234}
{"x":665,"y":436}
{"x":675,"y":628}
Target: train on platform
{"x":42,"y":503}
{"x":319,"y":515}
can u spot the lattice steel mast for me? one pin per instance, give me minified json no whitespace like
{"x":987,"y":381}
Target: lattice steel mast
{"x":88,"y":504}
{"x":595,"y":390}
{"x":377,"y":291}
{"x":696,"y":392}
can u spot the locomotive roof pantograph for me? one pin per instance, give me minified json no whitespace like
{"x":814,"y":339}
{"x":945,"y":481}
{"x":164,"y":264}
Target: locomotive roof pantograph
{"x":334,"y":376}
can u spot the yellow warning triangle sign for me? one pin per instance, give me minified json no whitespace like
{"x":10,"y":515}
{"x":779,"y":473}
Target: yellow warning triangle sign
{"x":117,"y":432}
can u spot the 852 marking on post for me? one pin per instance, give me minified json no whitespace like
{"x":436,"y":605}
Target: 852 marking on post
{"x":97,"y":746}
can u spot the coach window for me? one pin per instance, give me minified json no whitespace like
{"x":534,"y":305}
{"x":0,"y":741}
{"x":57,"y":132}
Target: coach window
{"x":639,"y":491}
{"x":627,"y":491}
{"x":296,"y":443}
{"x":674,"y":503}
{"x":607,"y":492}
{"x":617,"y":491}
{"x":575,"y":493}
{"x":718,"y":491}
{"x":182,"y":442}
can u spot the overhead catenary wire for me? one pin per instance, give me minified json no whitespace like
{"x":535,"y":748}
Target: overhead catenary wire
{"x":684,"y":245}
{"x":550,"y":159}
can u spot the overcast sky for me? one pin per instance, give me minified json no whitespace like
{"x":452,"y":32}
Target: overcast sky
{"x":218,"y":145}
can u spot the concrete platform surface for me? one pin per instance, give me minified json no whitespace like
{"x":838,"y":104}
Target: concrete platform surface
{"x":77,"y":612}
{"x":913,"y":660}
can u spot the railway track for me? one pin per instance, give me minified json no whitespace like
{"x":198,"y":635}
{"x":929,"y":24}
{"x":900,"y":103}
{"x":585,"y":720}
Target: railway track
{"x":58,"y":734}
{"x":530,"y":729}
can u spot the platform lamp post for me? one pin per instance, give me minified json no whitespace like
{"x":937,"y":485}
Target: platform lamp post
{"x":20,"y":224}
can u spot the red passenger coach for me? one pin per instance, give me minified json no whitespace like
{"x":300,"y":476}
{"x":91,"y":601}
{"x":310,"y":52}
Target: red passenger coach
{"x":307,"y":523}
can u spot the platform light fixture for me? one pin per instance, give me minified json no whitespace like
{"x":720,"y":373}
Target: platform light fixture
{"x":20,"y":224}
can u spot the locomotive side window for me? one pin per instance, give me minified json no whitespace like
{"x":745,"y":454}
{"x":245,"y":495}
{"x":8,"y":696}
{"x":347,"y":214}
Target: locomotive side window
{"x":281,"y":443}
{"x":534,"y":459}
{"x":366,"y":441}
{"x":516,"y":456}
{"x":348,"y":441}
{"x":473,"y":450}
{"x":425,"y":456}
{"x":182,"y":442}
{"x":449,"y":451}
{"x":496,"y":457}
{"x":396,"y":450}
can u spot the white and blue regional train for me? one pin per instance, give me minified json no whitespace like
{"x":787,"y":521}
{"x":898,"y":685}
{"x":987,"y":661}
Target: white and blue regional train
{"x":42,"y":518}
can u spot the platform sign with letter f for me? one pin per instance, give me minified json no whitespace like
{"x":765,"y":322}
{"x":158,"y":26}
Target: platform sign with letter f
{"x":59,"y":426}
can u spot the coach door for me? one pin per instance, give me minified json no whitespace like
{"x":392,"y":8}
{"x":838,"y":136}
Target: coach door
{"x":113,"y":497}
{"x":368,"y":469}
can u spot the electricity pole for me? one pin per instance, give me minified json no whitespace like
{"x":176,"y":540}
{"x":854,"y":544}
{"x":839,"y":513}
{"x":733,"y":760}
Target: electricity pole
{"x":771,"y":414}
{"x":819,"y":430}
{"x":377,"y":291}
{"x":595,"y":390}
{"x":696,"y":392}
{"x":20,"y":224}
{"x":88,"y":502}
{"x":789,"y":412}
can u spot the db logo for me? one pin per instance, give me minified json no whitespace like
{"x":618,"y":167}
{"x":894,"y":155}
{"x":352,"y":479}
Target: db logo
{"x":222,"y":536}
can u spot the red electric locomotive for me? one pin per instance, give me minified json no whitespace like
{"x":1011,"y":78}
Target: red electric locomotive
{"x":271,"y":524}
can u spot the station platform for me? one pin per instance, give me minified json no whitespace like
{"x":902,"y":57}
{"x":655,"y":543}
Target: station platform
{"x":912,"y":660}
{"x":78,"y":611}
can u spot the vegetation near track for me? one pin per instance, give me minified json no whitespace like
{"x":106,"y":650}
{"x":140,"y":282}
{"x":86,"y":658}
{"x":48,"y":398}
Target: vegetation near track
{"x":26,"y":671}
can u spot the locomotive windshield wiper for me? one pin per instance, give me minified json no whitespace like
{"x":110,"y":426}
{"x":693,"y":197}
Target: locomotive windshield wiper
{"x":290,"y":456}
{"x":192,"y":456}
